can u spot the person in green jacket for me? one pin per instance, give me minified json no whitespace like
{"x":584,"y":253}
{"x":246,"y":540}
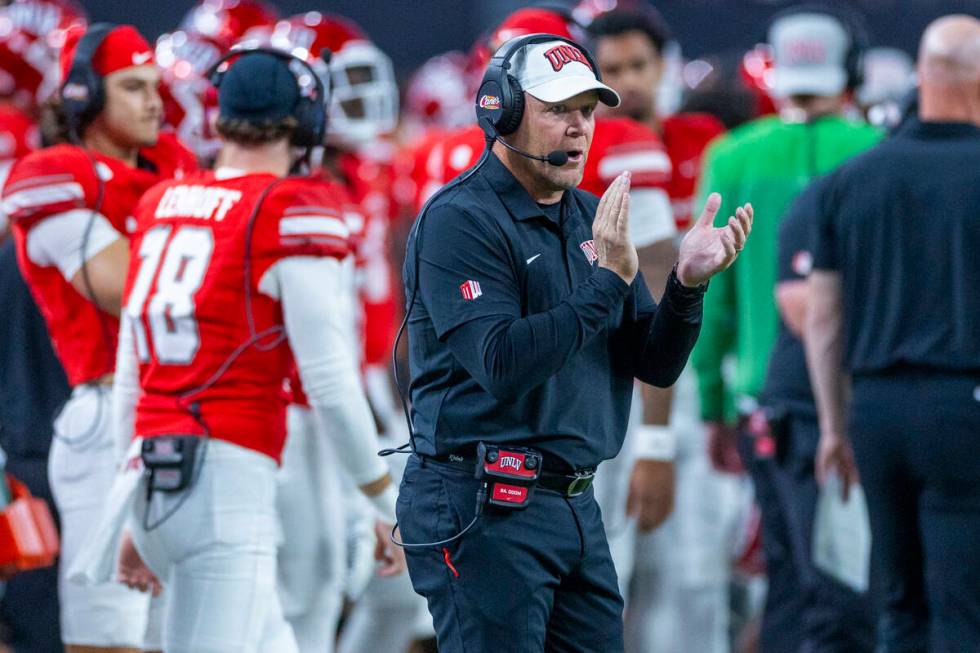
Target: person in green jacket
{"x":770,"y":161}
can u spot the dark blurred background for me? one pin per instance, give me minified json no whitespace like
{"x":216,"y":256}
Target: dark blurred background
{"x":410,"y":31}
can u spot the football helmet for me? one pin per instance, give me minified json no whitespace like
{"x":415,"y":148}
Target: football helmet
{"x":190,"y":103}
{"x":224,"y":22}
{"x":31,"y":34}
{"x":364,"y":99}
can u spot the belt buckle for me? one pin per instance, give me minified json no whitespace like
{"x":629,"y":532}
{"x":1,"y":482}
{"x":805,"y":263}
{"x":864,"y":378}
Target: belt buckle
{"x":581,"y":483}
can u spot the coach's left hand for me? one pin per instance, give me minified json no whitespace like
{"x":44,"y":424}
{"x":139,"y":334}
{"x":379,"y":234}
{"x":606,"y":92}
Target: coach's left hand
{"x":707,"y":250}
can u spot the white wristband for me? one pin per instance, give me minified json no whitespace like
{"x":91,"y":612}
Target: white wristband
{"x":384,"y":503}
{"x":654,"y":442}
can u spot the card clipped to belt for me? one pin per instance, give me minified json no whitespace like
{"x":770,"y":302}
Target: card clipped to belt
{"x":842,"y":535}
{"x":509,"y":472}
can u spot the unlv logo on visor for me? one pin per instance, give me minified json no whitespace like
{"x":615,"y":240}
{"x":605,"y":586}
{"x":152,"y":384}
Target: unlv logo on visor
{"x":560,"y":55}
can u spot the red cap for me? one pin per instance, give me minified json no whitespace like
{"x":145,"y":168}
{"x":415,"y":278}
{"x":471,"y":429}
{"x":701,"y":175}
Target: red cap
{"x":122,"y":48}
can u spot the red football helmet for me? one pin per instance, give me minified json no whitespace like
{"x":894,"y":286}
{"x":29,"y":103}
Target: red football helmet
{"x":438,"y":94}
{"x":190,"y":103}
{"x":364,"y":97}
{"x":226,"y":21}
{"x":31,"y":33}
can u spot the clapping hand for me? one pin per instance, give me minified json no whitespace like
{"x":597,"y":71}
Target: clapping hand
{"x":611,"y":230}
{"x":707,"y":250}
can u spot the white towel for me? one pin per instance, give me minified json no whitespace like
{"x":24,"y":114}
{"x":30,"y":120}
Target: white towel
{"x":842,"y":535}
{"x":96,"y":560}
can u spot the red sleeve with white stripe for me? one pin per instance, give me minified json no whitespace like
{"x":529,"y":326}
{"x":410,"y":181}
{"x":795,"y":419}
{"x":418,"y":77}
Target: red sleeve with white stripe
{"x":49,"y":182}
{"x":301,"y":217}
{"x":620,"y":144}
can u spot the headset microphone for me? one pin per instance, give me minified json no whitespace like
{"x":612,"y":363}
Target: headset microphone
{"x":554,"y":157}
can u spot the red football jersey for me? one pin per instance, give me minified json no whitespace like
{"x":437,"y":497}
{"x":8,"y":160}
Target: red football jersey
{"x":62,"y":180}
{"x":621,"y":144}
{"x":199,"y":252}
{"x":686,"y":135}
{"x":440,"y":156}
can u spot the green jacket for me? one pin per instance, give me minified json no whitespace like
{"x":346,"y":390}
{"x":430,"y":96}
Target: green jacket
{"x":767,"y":162}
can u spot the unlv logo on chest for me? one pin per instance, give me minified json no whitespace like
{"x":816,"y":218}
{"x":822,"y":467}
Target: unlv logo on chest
{"x":560,"y":55}
{"x":591,"y":254}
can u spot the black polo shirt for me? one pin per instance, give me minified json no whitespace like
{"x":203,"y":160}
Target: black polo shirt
{"x":787,"y":382}
{"x":518,"y":337}
{"x":901,"y":223}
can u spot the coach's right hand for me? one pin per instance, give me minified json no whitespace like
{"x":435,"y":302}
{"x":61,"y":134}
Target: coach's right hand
{"x":611,"y":230}
{"x":390,"y":556}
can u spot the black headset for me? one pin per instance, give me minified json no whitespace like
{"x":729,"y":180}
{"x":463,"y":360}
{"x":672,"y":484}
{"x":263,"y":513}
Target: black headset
{"x":83,"y":90}
{"x":500,"y":100}
{"x":310,"y":112}
{"x":853,"y":24}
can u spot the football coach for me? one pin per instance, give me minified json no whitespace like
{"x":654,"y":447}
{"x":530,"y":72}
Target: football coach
{"x":528,"y":324}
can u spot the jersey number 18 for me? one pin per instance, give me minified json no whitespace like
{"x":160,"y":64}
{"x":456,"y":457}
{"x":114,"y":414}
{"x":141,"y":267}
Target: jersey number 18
{"x":178,"y":265}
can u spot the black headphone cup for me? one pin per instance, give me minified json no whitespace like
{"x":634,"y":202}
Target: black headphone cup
{"x":490,"y":103}
{"x":82,"y":92}
{"x":310,"y":123}
{"x":515,"y":112}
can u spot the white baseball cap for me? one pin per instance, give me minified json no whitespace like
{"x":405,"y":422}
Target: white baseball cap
{"x":809,"y":55}
{"x":554,"y":71}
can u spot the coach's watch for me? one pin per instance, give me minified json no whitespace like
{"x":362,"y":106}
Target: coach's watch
{"x":685,"y":291}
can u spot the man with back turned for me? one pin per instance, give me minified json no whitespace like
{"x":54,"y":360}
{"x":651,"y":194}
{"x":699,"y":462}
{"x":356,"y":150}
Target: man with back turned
{"x":894,"y":305}
{"x":528,"y":324}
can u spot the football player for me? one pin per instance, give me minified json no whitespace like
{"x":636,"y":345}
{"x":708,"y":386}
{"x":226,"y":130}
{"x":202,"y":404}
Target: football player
{"x":70,"y":207}
{"x":236,"y":269}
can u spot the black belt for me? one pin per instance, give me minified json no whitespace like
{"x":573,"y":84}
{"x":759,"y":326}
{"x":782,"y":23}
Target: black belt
{"x":570,"y":485}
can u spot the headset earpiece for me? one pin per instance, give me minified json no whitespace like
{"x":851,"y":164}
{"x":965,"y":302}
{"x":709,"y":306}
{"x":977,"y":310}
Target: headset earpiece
{"x":83,"y":91}
{"x":500,"y":100}
{"x":516,"y":113}
{"x":310,"y":111}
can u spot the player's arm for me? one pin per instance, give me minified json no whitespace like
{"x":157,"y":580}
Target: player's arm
{"x":101,"y":277}
{"x":317,"y":321}
{"x":91,"y":255}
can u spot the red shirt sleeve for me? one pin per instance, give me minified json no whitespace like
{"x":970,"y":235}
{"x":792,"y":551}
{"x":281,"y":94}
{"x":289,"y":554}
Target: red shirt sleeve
{"x":49,"y":182}
{"x":300,"y":217}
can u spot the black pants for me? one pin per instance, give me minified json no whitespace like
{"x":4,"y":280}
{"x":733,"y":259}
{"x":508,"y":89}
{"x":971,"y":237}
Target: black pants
{"x":539,"y":579}
{"x":29,"y":609}
{"x":917,"y":442}
{"x":806,"y":611}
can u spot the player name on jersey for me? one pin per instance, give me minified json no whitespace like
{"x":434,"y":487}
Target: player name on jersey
{"x":203,"y":202}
